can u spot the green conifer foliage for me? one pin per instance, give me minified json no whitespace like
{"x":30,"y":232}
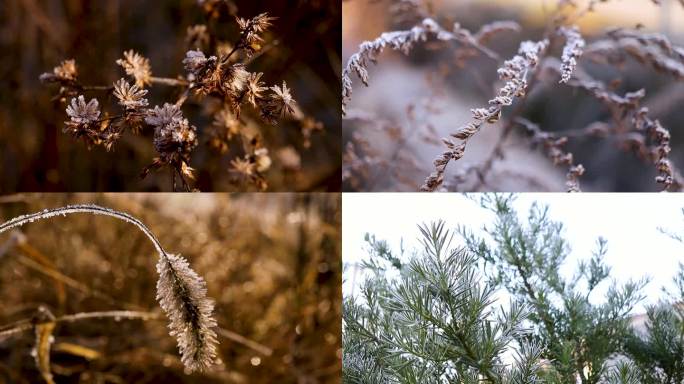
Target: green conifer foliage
{"x":578,"y":336}
{"x":433,"y":320}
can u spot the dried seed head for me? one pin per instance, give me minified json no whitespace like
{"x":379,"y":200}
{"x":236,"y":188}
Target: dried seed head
{"x":137,"y":66}
{"x":242,"y":167}
{"x":175,"y":138}
{"x":254,"y":88}
{"x":257,"y":24}
{"x":196,"y":63}
{"x":160,"y":116}
{"x":251,"y":28}
{"x":278,"y":104}
{"x":82,"y":113}
{"x":182,"y":294}
{"x":236,"y":77}
{"x":130,"y":96}
{"x":65,"y":72}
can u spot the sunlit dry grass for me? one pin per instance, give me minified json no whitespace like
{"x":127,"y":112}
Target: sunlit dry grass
{"x":271,"y":263}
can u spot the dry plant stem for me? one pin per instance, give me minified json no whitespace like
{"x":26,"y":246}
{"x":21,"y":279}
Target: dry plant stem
{"x":86,"y":208}
{"x":554,"y":147}
{"x":515,"y":72}
{"x":155,"y":80}
{"x":497,"y":152}
{"x":27,"y":324}
{"x":68,"y":281}
{"x":180,"y":291}
{"x":403,"y":41}
{"x":230,"y":335}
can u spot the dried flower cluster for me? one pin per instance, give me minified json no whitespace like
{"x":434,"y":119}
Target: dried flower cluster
{"x":537,"y":67}
{"x":181,"y":293}
{"x":221,"y":77}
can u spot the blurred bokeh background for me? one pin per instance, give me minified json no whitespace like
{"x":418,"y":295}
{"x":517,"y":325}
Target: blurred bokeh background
{"x":36,"y":35}
{"x":272,"y":263}
{"x":414,"y":100}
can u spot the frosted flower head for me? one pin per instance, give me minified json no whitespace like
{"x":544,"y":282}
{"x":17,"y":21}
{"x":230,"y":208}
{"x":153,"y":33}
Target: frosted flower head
{"x":254,"y":88}
{"x":137,"y":66}
{"x":130,"y":96}
{"x":279,"y":104}
{"x":236,"y":78}
{"x":177,"y":138}
{"x":196,"y":62}
{"x":242,"y":167}
{"x":160,"y":116}
{"x":283,"y":96}
{"x":81,"y":112}
{"x":256,"y":24}
{"x":65,"y":71}
{"x":251,"y":28}
{"x":227,"y":122}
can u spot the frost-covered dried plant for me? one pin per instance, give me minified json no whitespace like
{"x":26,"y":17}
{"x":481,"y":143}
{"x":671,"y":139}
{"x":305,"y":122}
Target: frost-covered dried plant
{"x":216,"y":75}
{"x":402,"y":41}
{"x":181,"y":293}
{"x":571,"y":52}
{"x":514,"y":72}
{"x":130,"y":97}
{"x":557,"y":57}
{"x":138,"y":67}
{"x":554,"y":148}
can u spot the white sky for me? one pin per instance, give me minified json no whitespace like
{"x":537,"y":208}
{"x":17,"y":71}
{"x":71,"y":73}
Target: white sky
{"x":629,"y":222}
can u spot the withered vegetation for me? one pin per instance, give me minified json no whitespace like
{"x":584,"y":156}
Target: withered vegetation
{"x":81,"y":291}
{"x":611,"y":73}
{"x":217,"y":95}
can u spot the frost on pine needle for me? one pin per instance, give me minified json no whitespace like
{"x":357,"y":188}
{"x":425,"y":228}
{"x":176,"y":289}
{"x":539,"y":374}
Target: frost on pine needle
{"x":181,"y":293}
{"x":571,"y":52}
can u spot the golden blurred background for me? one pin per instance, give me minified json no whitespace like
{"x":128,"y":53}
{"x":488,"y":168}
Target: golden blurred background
{"x":271,"y":262}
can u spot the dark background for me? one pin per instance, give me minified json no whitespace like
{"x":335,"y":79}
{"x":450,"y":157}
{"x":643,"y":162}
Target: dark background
{"x":36,"y":35}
